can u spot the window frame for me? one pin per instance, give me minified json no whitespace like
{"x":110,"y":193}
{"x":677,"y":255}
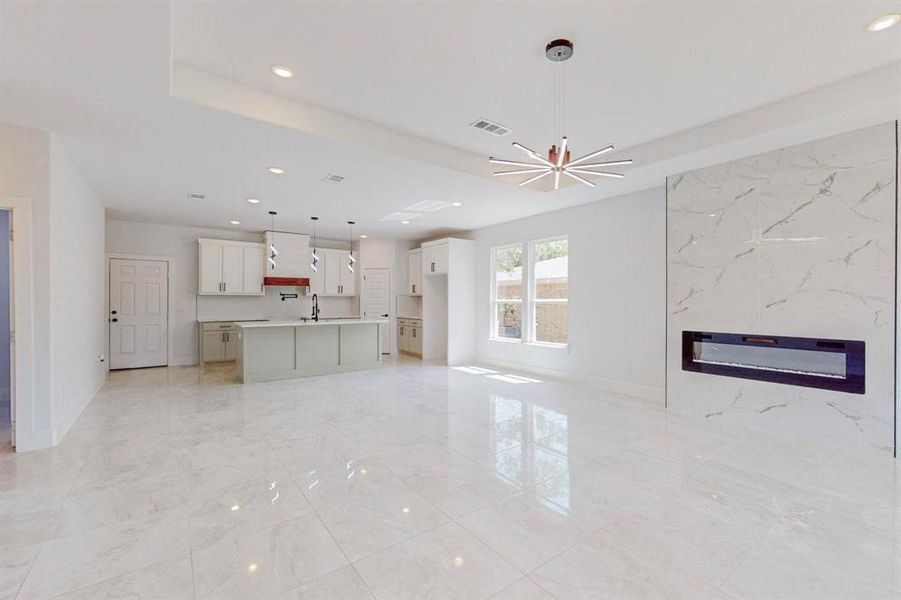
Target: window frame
{"x":493,"y":331}
{"x":529,"y":300}
{"x":534,"y":300}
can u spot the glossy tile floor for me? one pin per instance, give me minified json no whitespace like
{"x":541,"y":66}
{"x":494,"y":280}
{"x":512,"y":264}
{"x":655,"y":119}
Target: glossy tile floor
{"x":421,"y":482}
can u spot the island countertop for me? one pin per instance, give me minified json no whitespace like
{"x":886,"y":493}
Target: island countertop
{"x":307,"y":322}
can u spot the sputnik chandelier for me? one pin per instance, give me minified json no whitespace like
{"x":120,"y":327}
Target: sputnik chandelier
{"x":558,"y":161}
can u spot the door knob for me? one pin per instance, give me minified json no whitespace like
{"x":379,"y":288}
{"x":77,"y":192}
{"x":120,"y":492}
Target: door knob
{"x":114,"y":312}
{"x":115,"y":320}
{"x":385,"y":315}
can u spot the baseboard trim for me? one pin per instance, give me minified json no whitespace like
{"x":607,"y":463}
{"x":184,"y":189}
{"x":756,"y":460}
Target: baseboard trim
{"x":645,"y":393}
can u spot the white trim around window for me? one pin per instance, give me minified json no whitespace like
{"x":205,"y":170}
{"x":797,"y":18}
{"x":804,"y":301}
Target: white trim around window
{"x":528,"y":300}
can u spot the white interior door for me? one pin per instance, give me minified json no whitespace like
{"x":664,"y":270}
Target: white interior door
{"x":139,"y":313}
{"x":376,"y":301}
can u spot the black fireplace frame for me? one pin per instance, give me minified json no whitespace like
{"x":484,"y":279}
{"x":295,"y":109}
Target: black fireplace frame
{"x":854,"y":381}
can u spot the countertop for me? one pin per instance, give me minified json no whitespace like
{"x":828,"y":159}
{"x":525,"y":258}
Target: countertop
{"x":270,"y":319}
{"x":302,"y":323}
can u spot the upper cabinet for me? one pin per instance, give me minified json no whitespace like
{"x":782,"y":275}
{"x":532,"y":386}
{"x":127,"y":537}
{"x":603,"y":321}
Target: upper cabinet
{"x":333,"y":277}
{"x":434,"y":258}
{"x":229,"y":268}
{"x":293,"y":258}
{"x":414,"y":272}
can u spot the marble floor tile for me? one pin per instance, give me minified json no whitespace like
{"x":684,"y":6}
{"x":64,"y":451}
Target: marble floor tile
{"x":343,"y":584}
{"x":599,"y":567}
{"x":243,"y":508}
{"x":266,"y":562}
{"x":170,"y":580}
{"x":367,"y":524}
{"x":526,"y":530}
{"x":14,"y":566}
{"x":84,"y":559}
{"x":182,"y":483}
{"x":524,"y":589}
{"x":446,"y":563}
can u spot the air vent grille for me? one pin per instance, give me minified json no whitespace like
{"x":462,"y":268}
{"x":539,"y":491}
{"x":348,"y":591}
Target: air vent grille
{"x":332,"y":178}
{"x":491,"y":127}
{"x":195,"y":196}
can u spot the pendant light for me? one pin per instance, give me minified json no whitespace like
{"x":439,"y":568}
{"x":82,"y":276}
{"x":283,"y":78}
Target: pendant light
{"x":314,"y":256}
{"x":350,"y":253}
{"x":273,"y":253}
{"x":558,"y":161}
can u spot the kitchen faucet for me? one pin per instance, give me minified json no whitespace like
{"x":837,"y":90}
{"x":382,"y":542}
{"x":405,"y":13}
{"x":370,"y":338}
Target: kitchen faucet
{"x":315,"y":307}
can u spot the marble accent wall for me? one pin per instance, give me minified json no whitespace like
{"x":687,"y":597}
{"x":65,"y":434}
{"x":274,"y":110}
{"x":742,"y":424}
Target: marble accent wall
{"x":796,"y":242}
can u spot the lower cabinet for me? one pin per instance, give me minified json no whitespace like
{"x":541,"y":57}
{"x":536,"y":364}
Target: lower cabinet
{"x":218,"y":342}
{"x":409,"y":336}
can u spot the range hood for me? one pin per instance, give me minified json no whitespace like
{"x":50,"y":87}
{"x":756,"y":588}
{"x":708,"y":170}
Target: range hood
{"x":287,"y":281}
{"x":292,"y":266}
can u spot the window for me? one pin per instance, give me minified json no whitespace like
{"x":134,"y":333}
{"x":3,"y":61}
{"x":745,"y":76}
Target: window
{"x":508,"y":292}
{"x":550,"y":290}
{"x":537,"y":311}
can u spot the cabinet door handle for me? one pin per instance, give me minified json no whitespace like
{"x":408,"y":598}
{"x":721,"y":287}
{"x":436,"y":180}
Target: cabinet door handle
{"x":433,"y":267}
{"x":414,"y":288}
{"x":414,"y":332}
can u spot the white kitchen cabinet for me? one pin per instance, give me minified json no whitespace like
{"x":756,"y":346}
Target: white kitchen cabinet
{"x":331,"y":261}
{"x":409,"y":336}
{"x":333,"y":277}
{"x":348,"y":283}
{"x":414,"y":272}
{"x":233,"y":269}
{"x":254,"y":265}
{"x":212,"y":346}
{"x":218,"y":342}
{"x":210,"y":269}
{"x":434,"y":258}
{"x":230,"y":268}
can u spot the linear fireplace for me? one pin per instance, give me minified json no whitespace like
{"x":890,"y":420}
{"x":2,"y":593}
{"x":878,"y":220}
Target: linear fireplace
{"x":809,"y":362}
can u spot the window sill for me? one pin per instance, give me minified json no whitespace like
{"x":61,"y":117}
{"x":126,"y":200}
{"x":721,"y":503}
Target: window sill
{"x":548,"y":345}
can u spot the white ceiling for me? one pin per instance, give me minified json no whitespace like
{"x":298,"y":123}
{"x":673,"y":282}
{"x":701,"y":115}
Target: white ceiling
{"x":641,"y":70}
{"x":99,"y":74}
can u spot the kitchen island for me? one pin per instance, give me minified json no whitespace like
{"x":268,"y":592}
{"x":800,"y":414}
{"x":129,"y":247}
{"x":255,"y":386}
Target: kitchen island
{"x":271,"y":350}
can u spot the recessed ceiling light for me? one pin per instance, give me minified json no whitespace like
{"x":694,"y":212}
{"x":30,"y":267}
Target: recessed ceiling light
{"x":276,"y":170}
{"x":884,"y":22}
{"x":253,"y":200}
{"x":235,"y":222}
{"x":282,"y":71}
{"x":456,"y":204}
{"x":404,"y":222}
{"x":364,"y":236}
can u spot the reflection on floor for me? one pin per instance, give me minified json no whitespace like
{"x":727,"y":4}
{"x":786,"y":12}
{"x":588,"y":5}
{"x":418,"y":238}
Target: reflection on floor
{"x":419,"y":481}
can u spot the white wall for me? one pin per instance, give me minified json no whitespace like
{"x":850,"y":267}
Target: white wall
{"x":185,"y":307}
{"x":616,"y":298}
{"x":66,"y":282}
{"x":77,"y":313}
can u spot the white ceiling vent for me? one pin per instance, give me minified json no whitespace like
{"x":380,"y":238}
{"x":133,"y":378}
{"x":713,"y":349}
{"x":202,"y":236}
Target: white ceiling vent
{"x":491,"y":127}
{"x":196,"y":196}
{"x":332,"y":178}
